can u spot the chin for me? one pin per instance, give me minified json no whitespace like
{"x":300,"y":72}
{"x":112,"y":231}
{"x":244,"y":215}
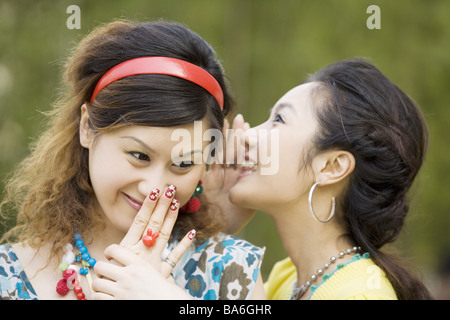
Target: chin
{"x":244,"y":196}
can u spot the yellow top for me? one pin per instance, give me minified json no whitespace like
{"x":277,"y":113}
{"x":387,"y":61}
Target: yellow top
{"x":358,"y":279}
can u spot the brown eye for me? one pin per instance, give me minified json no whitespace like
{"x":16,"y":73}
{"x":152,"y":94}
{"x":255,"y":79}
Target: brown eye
{"x":140,"y":156}
{"x":184,"y":164}
{"x":278,"y":118}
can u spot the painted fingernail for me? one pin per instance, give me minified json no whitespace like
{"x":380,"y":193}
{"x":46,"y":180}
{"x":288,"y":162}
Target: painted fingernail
{"x":170,"y":192}
{"x":174,"y":205}
{"x":192,"y":234}
{"x":154,"y":195}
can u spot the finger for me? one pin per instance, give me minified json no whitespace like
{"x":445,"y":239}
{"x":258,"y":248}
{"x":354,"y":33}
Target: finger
{"x":120,"y":254}
{"x":101,"y":296}
{"x":105,"y":287}
{"x":177,"y":253}
{"x":140,"y":222}
{"x":167,"y":227}
{"x":233,"y":146}
{"x":226,"y":125}
{"x":159,"y":213}
{"x":238,"y":122}
{"x":107,"y":270}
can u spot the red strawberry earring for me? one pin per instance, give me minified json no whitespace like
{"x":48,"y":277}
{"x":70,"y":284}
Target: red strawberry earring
{"x":193,"y":205}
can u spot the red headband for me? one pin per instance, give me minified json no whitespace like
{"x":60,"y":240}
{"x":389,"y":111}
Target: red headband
{"x":162,"y":65}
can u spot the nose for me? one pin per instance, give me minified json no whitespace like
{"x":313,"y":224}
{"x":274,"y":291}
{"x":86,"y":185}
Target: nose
{"x":152,"y":178}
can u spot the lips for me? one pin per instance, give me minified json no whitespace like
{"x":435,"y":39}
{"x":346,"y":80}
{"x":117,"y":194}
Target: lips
{"x":135,"y":204}
{"x":248,"y":168}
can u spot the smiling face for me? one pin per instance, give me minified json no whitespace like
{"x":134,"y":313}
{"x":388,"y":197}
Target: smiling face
{"x":127,"y":163}
{"x":293,"y":119}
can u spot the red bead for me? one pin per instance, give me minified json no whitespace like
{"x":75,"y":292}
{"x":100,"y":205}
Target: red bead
{"x":80,"y":296}
{"x":193,"y":205}
{"x":184,"y":208}
{"x":61,"y":287}
{"x":67,"y":273}
{"x":77,"y":289}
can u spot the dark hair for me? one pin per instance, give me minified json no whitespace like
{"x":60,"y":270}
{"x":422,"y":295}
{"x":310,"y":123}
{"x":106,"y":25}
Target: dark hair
{"x":367,"y":115}
{"x":152,"y":100}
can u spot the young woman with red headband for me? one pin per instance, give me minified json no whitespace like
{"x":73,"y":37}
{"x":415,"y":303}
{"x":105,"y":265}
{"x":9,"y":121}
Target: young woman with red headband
{"x":101,"y":191}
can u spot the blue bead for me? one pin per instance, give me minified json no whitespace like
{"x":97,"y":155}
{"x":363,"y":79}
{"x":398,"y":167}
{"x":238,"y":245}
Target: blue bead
{"x":85,"y":256}
{"x":79,"y":243}
{"x":83,"y":249}
{"x":77,"y":236}
{"x":92,"y":262}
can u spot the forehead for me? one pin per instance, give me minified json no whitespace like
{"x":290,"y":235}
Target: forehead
{"x":300,"y":99}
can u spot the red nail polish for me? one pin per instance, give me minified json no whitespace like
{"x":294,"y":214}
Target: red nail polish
{"x":174,"y":205}
{"x":191,"y":234}
{"x":154,"y":195}
{"x":170,"y":192}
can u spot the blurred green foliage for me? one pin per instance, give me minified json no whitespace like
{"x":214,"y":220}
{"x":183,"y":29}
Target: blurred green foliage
{"x":267,"y":47}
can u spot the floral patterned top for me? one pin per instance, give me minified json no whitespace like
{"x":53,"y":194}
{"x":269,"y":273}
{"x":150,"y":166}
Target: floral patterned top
{"x":223,"y":267}
{"x":14,"y":283}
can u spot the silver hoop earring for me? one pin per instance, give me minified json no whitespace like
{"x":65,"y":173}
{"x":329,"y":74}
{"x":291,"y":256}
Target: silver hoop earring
{"x":333,"y":205}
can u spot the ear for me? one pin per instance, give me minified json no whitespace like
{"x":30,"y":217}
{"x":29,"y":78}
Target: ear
{"x":333,"y":166}
{"x":86,"y":135}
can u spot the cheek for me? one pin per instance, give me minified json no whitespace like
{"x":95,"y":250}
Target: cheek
{"x":286,"y":184}
{"x":186,"y":188}
{"x":107,"y":173}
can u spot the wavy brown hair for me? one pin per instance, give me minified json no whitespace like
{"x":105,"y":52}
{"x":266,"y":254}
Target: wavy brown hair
{"x":50,"y":191}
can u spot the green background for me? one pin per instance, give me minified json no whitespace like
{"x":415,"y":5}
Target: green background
{"x":267,"y":47}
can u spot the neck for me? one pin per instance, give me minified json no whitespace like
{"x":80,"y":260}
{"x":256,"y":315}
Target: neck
{"x":102,"y":239}
{"x":309,"y":244}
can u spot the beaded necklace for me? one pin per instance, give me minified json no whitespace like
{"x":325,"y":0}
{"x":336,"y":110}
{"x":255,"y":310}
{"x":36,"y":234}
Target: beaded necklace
{"x":70,"y":272}
{"x":298,"y":292}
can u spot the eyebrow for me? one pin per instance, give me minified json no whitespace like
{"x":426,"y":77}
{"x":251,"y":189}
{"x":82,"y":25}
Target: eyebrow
{"x":141,"y":143}
{"x":148,"y":148}
{"x":283,"y":105}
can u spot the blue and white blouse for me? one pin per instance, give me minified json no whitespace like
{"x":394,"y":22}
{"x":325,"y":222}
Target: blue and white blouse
{"x":223,"y":267}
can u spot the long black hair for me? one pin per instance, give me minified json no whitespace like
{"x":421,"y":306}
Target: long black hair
{"x":366,"y":114}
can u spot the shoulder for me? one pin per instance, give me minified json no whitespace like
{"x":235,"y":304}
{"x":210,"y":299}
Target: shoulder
{"x":222,"y":267}
{"x":281,"y":280}
{"x":224,"y":244}
{"x":14,"y":283}
{"x":8,"y":259}
{"x":361,"y":279}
